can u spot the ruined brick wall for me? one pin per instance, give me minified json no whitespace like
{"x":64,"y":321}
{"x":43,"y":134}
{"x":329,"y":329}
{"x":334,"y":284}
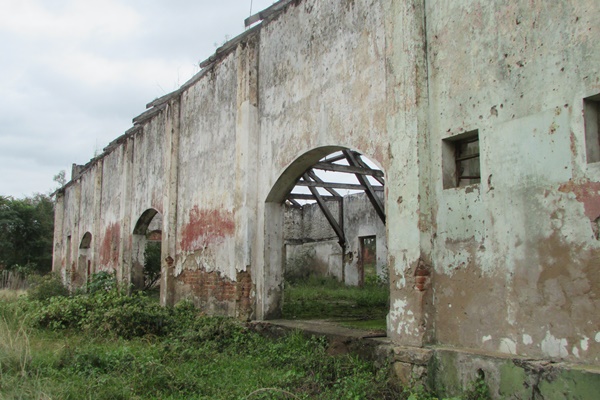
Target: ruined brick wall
{"x":506,"y":265}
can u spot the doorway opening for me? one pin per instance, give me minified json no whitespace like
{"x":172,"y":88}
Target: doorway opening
{"x":330,"y":237}
{"x":82,"y":273}
{"x":367,"y":262}
{"x":146,"y":252}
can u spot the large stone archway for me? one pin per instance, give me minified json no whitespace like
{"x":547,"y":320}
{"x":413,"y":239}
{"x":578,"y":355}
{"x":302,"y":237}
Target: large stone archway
{"x":300,"y":173}
{"x":147,"y":229}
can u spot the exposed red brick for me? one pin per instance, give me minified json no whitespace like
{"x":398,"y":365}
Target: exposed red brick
{"x":206,"y":227}
{"x":213,"y":288}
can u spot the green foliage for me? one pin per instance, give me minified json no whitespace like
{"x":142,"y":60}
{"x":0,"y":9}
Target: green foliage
{"x":104,"y":313}
{"x":192,"y":357}
{"x":42,"y":288}
{"x":478,"y":389}
{"x":104,"y":356}
{"x":26,"y":231}
{"x":151,"y":264}
{"x":101,"y":282}
{"x":327,"y":298}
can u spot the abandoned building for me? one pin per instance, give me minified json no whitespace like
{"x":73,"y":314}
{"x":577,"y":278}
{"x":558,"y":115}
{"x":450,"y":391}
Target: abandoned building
{"x":482,"y":119}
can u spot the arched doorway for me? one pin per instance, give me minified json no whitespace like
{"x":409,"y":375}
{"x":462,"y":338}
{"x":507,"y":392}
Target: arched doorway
{"x":84,"y":264}
{"x":326,"y":219}
{"x":146,"y":248}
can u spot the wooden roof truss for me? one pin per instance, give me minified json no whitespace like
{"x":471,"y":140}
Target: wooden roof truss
{"x":358,"y":168}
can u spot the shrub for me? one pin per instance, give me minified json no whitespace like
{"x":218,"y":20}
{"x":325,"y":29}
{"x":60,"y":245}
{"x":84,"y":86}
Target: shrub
{"x":117,"y":314}
{"x":45,"y":287}
{"x":102,"y":281}
{"x":151,"y":264}
{"x":105,"y":313}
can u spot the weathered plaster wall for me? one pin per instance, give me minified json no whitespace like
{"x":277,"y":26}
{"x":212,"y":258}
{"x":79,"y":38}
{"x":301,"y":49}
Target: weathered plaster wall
{"x":206,"y":226}
{"x":311,"y":245}
{"x":516,"y":261}
{"x":148,"y":168}
{"x":310,"y":239}
{"x":360,"y":220}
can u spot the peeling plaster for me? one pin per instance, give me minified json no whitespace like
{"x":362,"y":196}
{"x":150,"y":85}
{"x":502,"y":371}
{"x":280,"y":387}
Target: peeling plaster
{"x":507,"y":346}
{"x":584,"y":344}
{"x":554,"y":347}
{"x":402,"y":318}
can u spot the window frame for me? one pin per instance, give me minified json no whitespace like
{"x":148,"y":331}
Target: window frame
{"x":454,"y":159}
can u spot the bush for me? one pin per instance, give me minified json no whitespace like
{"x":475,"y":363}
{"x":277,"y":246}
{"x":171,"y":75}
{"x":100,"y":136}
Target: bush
{"x":102,"y":282}
{"x":45,"y":287}
{"x":105,"y":313}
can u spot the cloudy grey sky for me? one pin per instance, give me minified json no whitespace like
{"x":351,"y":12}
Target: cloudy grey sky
{"x":73,"y":73}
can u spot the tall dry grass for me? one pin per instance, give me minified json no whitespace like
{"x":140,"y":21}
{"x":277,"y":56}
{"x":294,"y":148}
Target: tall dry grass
{"x":15,"y":350}
{"x":9,"y":294}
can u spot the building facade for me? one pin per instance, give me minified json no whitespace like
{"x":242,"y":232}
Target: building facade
{"x":483,"y":115}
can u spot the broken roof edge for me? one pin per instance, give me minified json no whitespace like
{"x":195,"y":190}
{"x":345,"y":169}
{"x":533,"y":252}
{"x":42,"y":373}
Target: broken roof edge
{"x":93,"y":161}
{"x":267,"y":12}
{"x":157,"y":105}
{"x":227,"y":48}
{"x":266,"y":15}
{"x":221,"y":52}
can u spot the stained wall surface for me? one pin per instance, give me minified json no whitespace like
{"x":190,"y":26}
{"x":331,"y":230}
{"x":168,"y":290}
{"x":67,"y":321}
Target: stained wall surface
{"x":516,"y":261}
{"x":312,"y":246}
{"x":507,"y":265}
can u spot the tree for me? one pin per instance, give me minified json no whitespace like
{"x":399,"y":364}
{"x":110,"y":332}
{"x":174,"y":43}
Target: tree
{"x":60,"y":178}
{"x":26,"y":232}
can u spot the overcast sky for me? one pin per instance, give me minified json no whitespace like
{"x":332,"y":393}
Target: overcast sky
{"x":73,"y":74}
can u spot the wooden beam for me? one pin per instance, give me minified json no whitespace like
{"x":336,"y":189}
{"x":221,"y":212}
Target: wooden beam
{"x":294,"y":202}
{"x":369,"y":190}
{"x":332,"y":185}
{"x":335,"y":158}
{"x":302,"y":196}
{"x":315,"y":178}
{"x":325,"y":166}
{"x":336,"y":227}
{"x":364,"y":165}
{"x":229,"y":46}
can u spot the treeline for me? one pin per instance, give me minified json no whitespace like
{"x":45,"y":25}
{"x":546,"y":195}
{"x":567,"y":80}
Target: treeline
{"x":26,"y":232}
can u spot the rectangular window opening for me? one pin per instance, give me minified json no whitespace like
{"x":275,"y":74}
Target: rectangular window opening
{"x":460,"y":160}
{"x":591,"y":116}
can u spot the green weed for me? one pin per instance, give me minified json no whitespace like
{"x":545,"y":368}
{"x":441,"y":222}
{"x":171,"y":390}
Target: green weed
{"x":84,"y":347}
{"x":327,"y":298}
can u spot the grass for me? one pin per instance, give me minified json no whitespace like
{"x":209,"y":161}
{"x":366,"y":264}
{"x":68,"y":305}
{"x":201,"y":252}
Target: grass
{"x":7,"y":294}
{"x":327,"y":298}
{"x":192,"y":357}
